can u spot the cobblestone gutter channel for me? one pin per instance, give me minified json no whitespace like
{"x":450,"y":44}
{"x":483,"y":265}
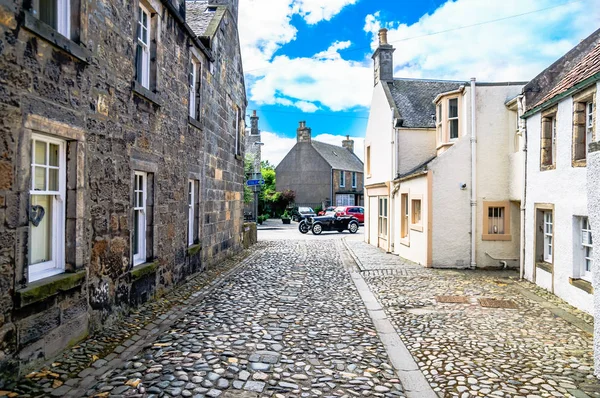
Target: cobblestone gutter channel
{"x":78,"y":367}
{"x":539,"y":349}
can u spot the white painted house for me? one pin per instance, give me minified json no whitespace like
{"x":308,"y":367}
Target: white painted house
{"x":561,"y":121}
{"x":443,"y":176}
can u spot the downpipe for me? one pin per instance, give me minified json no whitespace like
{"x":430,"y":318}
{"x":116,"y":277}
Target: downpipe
{"x":473,"y":178}
{"x":523,"y":129}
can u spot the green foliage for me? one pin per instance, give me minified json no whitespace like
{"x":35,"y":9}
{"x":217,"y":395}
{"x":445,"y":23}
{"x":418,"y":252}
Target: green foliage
{"x":248,"y":170}
{"x":318,"y":209}
{"x":286,"y":214}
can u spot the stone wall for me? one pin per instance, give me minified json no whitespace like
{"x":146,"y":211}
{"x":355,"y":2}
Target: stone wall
{"x":83,"y":91}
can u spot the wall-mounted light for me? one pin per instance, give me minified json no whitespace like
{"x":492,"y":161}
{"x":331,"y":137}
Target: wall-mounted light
{"x":463,"y":185}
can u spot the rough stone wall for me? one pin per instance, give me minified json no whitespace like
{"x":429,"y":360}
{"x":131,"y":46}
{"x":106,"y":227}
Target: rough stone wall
{"x":359,"y":190}
{"x":112,"y":130}
{"x":593,"y":205}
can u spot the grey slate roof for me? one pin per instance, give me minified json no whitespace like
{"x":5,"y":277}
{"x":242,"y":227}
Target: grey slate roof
{"x":413,"y":99}
{"x":339,"y":158}
{"x":197,"y":16}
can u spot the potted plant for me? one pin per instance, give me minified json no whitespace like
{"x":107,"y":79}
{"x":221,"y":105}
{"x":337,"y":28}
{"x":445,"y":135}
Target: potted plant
{"x":285,"y":218}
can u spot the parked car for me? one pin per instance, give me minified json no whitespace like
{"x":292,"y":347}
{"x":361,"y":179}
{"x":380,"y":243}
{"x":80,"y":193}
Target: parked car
{"x":300,"y":213}
{"x":354,"y":211}
{"x":328,"y":223}
{"x":330,"y":209}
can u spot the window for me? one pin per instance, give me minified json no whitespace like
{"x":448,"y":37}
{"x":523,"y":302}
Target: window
{"x":517,"y":133}
{"x":54,"y":13}
{"x":383,"y":217}
{"x":191,"y":211}
{"x":368,"y":157}
{"x":583,"y":248}
{"x":583,"y":125}
{"x":548,"y":141}
{"x":589,"y":124}
{"x":342,"y":179}
{"x":453,"y":118}
{"x":496,"y":221}
{"x":143,"y":47}
{"x":404,"y":215}
{"x":140,"y":194}
{"x":345,"y":200}
{"x":353,"y":179}
{"x":416,"y":212}
{"x":439,"y":123}
{"x":47,"y":208}
{"x":193,"y":89}
{"x":548,"y":242}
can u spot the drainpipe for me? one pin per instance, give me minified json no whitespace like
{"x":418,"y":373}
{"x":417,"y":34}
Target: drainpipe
{"x":391,"y":232}
{"x":473,"y":177}
{"x":523,"y":131}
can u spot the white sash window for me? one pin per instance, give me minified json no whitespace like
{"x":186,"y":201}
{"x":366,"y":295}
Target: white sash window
{"x":55,"y":13}
{"x":47,"y":208}
{"x":191,"y":212}
{"x":140,"y":195}
{"x":143,"y":47}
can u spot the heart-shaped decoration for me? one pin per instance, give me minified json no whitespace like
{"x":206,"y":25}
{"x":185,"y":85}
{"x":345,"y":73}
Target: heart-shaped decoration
{"x":36,"y":214}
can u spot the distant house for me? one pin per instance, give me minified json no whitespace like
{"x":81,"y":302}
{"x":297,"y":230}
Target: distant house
{"x":440,"y":187}
{"x":562,"y":120}
{"x":321,"y":174}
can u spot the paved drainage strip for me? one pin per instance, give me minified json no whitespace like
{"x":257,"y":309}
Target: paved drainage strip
{"x":146,"y":336}
{"x":413,"y":381}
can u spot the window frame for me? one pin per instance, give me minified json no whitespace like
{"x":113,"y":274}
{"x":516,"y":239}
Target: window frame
{"x":548,"y":122}
{"x":368,"y":160}
{"x":191,"y":210}
{"x":487,"y":205}
{"x":144,"y":69}
{"x":192,"y":82}
{"x":56,"y":265}
{"x":354,"y":179}
{"x":589,"y":125}
{"x":416,"y":224}
{"x":452,"y":119}
{"x":586,"y":249}
{"x":63,"y":16}
{"x":404,"y":217}
{"x":548,"y":255}
{"x":342,"y":179}
{"x":141,"y":256}
{"x":382,"y":219}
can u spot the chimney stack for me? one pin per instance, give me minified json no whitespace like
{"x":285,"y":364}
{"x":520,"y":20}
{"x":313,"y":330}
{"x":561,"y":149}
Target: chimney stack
{"x":303,"y":133}
{"x":383,"y":60}
{"x":348,"y":144}
{"x":254,"y":124}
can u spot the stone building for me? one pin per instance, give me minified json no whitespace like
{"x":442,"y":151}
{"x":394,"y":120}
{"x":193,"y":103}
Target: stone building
{"x":121,"y":160}
{"x":321,"y":174}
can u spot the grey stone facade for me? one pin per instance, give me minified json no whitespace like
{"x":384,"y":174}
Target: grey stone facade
{"x":83,"y":91}
{"x":313,"y":170}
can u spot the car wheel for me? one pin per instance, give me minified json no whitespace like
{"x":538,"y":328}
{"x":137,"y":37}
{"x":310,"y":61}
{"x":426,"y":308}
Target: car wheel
{"x":303,"y":227}
{"x":353,"y":227}
{"x":317,"y":229}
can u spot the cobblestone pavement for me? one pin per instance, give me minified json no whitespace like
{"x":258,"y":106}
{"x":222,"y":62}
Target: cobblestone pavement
{"x":467,"y":350}
{"x":289,"y":324}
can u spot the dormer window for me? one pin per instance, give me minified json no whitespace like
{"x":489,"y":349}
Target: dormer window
{"x":447,"y":120}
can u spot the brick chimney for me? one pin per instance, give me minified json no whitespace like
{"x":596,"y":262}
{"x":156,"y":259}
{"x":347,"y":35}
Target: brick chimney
{"x":254,"y":124}
{"x":303,"y":133}
{"x":348,"y":144}
{"x":383,"y":60}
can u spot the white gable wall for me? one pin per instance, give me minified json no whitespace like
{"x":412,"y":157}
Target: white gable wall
{"x":379,"y":137}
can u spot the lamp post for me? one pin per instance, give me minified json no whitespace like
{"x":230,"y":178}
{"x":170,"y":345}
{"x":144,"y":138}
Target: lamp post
{"x":257,"y":175}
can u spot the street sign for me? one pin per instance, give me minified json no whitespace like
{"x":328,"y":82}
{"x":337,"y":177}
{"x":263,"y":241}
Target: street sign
{"x":255,"y":182}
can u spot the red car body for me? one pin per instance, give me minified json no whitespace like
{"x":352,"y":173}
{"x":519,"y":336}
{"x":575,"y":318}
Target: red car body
{"x":355,"y":211}
{"x":330,"y":209}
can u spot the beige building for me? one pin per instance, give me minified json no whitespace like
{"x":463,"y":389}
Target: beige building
{"x":440,"y":158}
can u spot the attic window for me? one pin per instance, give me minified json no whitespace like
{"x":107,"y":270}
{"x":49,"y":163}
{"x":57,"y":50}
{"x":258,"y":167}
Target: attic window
{"x":211,"y":9}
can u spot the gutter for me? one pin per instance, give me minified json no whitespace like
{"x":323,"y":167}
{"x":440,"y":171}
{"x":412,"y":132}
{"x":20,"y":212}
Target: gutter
{"x":473,"y":177}
{"x":554,"y":100}
{"x":523,"y":130}
{"x":171,"y":8}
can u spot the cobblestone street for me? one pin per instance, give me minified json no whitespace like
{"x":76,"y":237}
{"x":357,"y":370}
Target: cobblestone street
{"x":286,"y":319}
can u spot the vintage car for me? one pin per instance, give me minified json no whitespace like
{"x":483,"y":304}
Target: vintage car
{"x":328,"y":223}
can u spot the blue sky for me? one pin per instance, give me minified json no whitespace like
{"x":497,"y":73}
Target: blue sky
{"x":311,"y":59}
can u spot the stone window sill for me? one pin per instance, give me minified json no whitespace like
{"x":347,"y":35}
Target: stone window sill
{"x":405,"y":242}
{"x":582,"y":284}
{"x":579,"y":163}
{"x":545,"y":266}
{"x":196,"y":123}
{"x":143,"y":270}
{"x":444,"y":144}
{"x":416,"y":227}
{"x":194,"y":249}
{"x":145,"y":93}
{"x":547,"y":167}
{"x":44,"y":31}
{"x":48,"y":287}
{"x":496,"y":237}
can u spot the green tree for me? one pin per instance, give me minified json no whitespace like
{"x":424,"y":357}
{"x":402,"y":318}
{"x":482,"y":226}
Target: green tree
{"x":248,"y":170}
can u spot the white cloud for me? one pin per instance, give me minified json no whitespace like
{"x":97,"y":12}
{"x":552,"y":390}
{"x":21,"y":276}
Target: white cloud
{"x":276,"y":146}
{"x":511,"y":49}
{"x":314,"y":11}
{"x":332,"y":51}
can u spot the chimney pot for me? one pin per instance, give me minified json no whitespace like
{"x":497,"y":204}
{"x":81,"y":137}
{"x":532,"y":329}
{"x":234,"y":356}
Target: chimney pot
{"x":253,"y":113}
{"x":383,"y":36}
